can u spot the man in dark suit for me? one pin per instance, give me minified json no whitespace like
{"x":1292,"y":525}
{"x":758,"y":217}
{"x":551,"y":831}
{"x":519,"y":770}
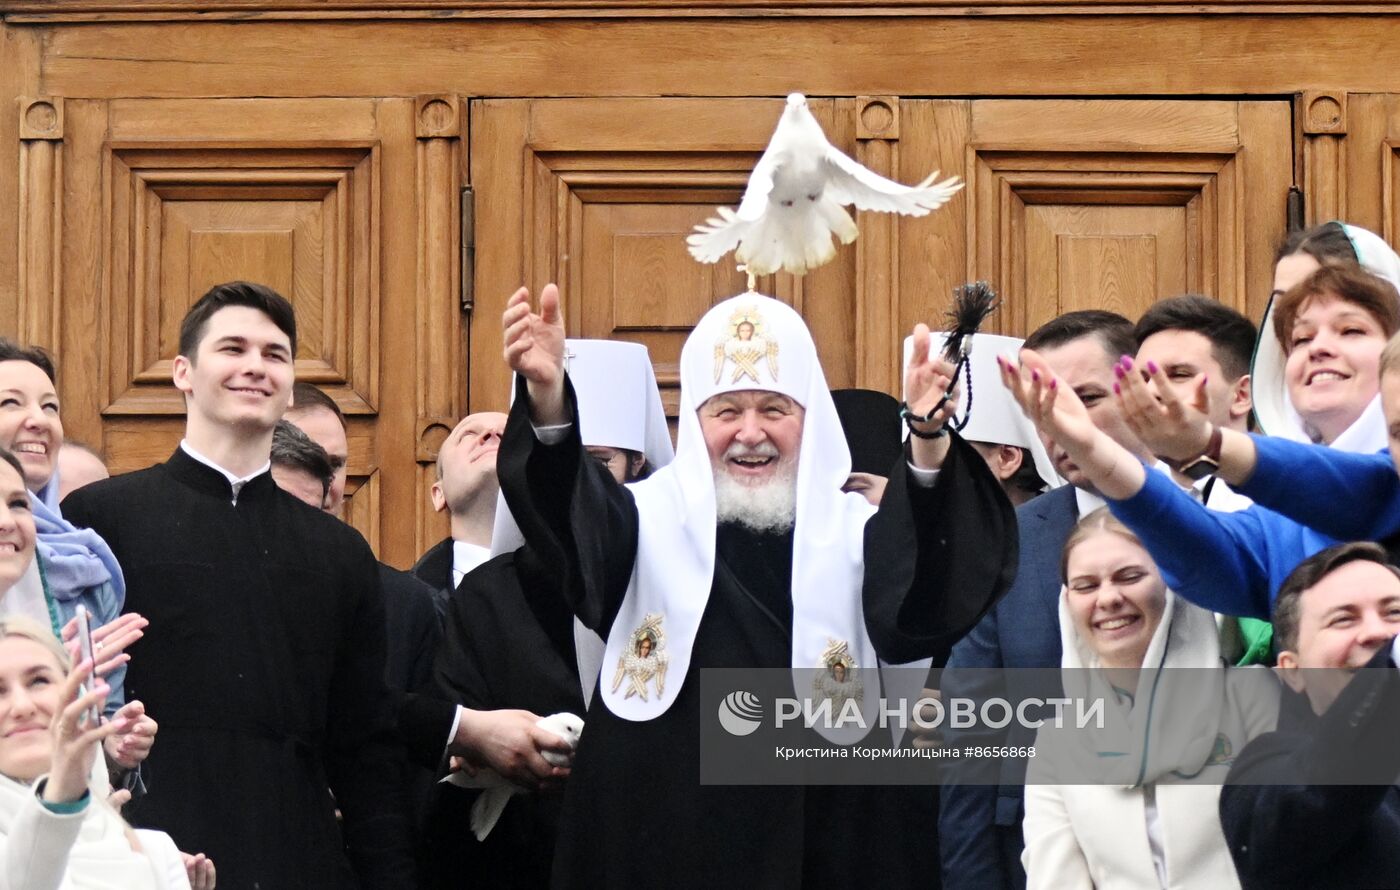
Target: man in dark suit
{"x":303,"y":468}
{"x":980,"y":819}
{"x":1315,"y":804}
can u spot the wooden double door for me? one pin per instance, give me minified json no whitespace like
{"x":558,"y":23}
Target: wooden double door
{"x":354,"y":209}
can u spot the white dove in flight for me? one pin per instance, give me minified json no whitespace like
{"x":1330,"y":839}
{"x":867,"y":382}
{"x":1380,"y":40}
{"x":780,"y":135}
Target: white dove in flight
{"x":496,"y":790}
{"x":796,"y":200}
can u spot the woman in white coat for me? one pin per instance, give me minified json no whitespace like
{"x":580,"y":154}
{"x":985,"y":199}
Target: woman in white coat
{"x":57,"y":832}
{"x":1167,"y":738}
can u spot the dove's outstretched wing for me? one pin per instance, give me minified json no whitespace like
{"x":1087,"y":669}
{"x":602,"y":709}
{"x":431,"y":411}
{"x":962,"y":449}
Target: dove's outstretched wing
{"x":718,"y":235}
{"x":851,"y":183}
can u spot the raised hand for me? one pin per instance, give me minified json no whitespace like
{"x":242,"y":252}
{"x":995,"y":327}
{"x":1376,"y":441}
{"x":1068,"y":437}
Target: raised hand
{"x":1058,"y":413}
{"x":534,"y":349}
{"x":926,"y":379}
{"x":926,"y":382}
{"x":1054,"y":409}
{"x":75,"y":739}
{"x":109,"y":641}
{"x":1170,"y":427}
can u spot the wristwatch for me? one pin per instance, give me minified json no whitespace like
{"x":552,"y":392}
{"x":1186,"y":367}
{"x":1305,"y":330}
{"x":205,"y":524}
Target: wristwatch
{"x":1207,"y":462}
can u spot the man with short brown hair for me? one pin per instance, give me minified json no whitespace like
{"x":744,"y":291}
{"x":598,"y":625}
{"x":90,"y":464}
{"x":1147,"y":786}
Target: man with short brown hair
{"x":1315,"y":804}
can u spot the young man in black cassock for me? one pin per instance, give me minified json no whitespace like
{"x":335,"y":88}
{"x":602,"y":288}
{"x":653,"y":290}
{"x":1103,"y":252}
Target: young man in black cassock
{"x":265,"y":654}
{"x":708,"y":562}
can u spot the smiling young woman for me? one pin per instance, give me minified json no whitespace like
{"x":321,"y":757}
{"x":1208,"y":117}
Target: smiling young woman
{"x":58,"y":831}
{"x":1156,"y":756}
{"x":1277,"y":408}
{"x":1332,"y":326}
{"x":73,"y":567}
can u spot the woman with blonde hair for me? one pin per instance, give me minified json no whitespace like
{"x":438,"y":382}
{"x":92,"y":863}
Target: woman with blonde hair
{"x":56,"y":829}
{"x":1130,"y":800}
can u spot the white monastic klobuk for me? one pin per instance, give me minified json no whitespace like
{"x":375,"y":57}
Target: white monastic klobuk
{"x":994,"y":415}
{"x":1272,"y":406}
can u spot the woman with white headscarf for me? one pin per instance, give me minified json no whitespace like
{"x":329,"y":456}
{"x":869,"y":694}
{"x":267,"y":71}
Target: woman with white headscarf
{"x":1130,"y":801}
{"x":1281,"y":400}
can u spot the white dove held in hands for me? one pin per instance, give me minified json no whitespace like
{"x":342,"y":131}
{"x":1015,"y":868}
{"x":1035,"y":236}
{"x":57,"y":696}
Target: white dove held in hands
{"x":497,"y":791}
{"x":796,"y":200}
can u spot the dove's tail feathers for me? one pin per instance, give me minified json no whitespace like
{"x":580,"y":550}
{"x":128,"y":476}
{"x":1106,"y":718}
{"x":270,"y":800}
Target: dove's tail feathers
{"x":838,"y":220}
{"x":717,"y":236}
{"x":776,"y":243}
{"x":487,"y":810}
{"x":761,"y":251}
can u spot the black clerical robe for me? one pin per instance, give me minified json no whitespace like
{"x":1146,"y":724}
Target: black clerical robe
{"x":414,"y":631}
{"x":508,"y":643}
{"x":635,"y":813}
{"x":264,"y":662}
{"x":434,"y":569}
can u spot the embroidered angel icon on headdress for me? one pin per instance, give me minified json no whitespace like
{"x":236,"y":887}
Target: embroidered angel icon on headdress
{"x":838,"y":679}
{"x":747,"y":346}
{"x":646,"y":659}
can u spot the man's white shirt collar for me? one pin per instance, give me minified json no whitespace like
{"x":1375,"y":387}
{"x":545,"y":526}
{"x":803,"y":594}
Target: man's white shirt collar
{"x":1087,"y":501}
{"x":235,"y":482}
{"x":466,"y":557}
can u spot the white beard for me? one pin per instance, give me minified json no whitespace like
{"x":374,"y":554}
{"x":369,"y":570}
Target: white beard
{"x":768,"y":507}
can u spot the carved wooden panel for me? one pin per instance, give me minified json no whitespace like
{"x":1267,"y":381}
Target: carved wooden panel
{"x":1114,"y":205}
{"x":40,"y":215}
{"x":1370,"y":157}
{"x":318,"y":198}
{"x":302,"y":220}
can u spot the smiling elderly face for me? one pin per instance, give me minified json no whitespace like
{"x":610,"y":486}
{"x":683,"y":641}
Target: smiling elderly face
{"x":752,"y":434}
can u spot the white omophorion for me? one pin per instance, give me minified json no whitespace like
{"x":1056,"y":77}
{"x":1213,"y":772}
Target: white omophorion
{"x":496,"y":792}
{"x":796,"y":201}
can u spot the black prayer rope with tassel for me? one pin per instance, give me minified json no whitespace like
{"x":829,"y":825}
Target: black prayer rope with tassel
{"x":972,"y":303}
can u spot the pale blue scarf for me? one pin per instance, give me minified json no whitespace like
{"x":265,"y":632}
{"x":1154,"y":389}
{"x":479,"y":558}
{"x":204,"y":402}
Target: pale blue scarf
{"x":75,"y":559}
